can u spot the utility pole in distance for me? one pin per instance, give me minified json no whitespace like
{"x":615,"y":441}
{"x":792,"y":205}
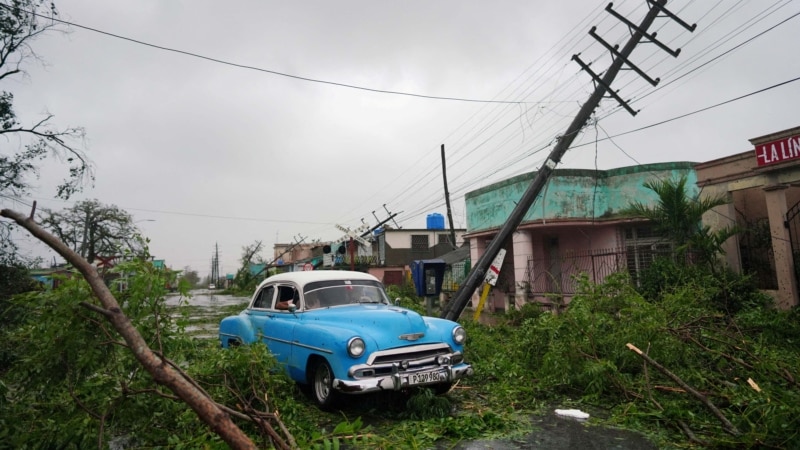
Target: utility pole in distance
{"x":447,"y":201}
{"x":456,"y":306}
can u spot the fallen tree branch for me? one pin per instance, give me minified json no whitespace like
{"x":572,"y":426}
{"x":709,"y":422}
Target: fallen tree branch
{"x":216,"y":419}
{"x":256,"y":417}
{"x":786,"y":375}
{"x":727,"y":425}
{"x":681,"y":424}
{"x":96,"y":309}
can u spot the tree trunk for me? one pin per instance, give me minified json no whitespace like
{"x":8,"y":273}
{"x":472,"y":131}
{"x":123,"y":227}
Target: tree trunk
{"x":219,"y":421}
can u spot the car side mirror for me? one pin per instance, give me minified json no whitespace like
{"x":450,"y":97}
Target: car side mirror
{"x":397,"y":301}
{"x":292,"y":308}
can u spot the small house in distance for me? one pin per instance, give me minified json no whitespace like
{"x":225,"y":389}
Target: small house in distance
{"x":396,"y":249}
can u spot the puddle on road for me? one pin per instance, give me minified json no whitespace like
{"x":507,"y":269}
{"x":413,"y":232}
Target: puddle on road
{"x":207,"y":299}
{"x":204,"y":315}
{"x":550,"y":432}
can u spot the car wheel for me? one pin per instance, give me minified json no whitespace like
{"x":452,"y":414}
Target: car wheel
{"x":322,"y":385}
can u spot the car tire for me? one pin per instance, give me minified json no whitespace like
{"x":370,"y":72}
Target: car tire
{"x":442,"y":388}
{"x":322,"y":391}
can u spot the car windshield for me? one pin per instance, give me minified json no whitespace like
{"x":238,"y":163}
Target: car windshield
{"x":323,"y":294}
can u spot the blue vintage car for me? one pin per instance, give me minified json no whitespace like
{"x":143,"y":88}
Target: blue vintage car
{"x":337,"y":333}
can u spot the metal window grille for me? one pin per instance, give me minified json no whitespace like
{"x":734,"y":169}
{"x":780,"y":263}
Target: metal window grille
{"x":643,"y":245}
{"x":419,"y":242}
{"x":545,"y":276}
{"x":455,"y":275}
{"x":755,"y":248}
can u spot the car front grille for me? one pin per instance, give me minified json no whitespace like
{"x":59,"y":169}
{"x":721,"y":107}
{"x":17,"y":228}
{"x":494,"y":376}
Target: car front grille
{"x":402,"y":359}
{"x":411,"y":353}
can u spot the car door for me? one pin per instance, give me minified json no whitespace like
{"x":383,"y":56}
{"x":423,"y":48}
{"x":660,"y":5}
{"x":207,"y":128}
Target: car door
{"x":259,"y":310}
{"x":278,"y":328}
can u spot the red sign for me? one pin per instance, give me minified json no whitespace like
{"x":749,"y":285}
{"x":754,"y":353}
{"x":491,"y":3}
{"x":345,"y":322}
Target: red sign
{"x":781,"y":150}
{"x":494,"y":269}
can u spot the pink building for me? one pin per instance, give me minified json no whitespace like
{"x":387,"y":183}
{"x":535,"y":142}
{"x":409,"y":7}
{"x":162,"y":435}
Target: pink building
{"x":575,"y":227}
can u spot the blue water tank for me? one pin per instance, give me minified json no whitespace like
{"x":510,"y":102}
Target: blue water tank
{"x":435,"y":221}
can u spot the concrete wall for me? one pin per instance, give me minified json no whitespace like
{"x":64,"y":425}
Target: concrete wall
{"x":571,"y":194}
{"x":402,"y":238}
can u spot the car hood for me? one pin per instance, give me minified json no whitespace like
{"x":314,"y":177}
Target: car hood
{"x":386,"y":325}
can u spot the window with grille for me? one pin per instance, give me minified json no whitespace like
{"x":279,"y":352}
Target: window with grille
{"x":419,"y":242}
{"x":442,"y":238}
{"x":643,"y":245}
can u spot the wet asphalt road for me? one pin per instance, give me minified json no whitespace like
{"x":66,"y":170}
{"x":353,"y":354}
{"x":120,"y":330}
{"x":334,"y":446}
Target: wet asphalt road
{"x":551,"y":432}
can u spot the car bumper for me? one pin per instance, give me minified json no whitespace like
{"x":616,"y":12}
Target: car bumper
{"x":403,"y":379}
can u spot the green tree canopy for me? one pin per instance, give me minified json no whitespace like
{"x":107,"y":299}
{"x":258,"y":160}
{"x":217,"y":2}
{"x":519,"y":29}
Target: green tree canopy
{"x":191,"y":276}
{"x":679,"y":217}
{"x":26,"y":143}
{"x":93,"y":229}
{"x":245,"y":280}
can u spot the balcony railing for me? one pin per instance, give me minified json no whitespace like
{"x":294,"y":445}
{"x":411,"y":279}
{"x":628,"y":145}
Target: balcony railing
{"x":557,"y":275}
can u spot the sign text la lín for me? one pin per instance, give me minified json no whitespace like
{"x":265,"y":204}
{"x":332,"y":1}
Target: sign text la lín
{"x":778,"y":151}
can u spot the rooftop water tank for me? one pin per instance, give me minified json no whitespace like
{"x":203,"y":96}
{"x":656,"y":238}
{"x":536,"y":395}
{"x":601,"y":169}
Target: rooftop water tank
{"x":435,"y":221}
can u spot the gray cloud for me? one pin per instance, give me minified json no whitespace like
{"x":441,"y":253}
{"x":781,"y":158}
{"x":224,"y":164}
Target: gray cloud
{"x":203,"y":147}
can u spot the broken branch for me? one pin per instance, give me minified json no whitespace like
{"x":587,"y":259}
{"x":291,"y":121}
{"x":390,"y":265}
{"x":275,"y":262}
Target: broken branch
{"x":729,"y":427}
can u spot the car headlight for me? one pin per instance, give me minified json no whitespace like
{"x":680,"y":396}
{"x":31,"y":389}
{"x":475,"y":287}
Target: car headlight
{"x":459,"y":335}
{"x":356,"y":347}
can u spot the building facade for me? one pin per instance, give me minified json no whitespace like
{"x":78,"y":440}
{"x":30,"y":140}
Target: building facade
{"x":395,"y":249}
{"x":763,"y":187}
{"x":575,"y":227}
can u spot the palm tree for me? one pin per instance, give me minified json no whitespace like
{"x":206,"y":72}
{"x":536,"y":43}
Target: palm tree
{"x":678,"y":217}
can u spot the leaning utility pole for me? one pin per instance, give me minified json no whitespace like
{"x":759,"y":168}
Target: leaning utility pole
{"x":603,"y":85}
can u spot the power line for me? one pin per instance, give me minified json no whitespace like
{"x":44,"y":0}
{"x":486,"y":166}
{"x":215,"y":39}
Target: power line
{"x":259,"y":69}
{"x":418,"y":211}
{"x":717,"y":44}
{"x":682,"y":116}
{"x":610,"y":138}
{"x":190,"y":214}
{"x":527,"y":86}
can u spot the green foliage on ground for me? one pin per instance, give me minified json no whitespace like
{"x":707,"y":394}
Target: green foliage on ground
{"x":405,"y":296}
{"x":687,"y":329}
{"x":72,"y":385}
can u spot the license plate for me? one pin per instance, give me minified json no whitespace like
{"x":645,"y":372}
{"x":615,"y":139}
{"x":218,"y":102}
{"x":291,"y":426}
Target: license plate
{"x":426,"y":377}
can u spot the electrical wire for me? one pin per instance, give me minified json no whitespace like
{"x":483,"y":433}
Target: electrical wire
{"x":487,"y":128}
{"x":259,"y":69}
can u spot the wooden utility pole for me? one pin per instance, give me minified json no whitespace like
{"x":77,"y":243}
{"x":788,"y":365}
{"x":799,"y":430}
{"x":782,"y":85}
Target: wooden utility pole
{"x":215,"y":265}
{"x":447,"y":200}
{"x":454,"y":308}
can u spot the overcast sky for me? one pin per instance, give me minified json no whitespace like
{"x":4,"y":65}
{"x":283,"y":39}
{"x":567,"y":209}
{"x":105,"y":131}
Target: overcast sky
{"x":217,"y":148}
